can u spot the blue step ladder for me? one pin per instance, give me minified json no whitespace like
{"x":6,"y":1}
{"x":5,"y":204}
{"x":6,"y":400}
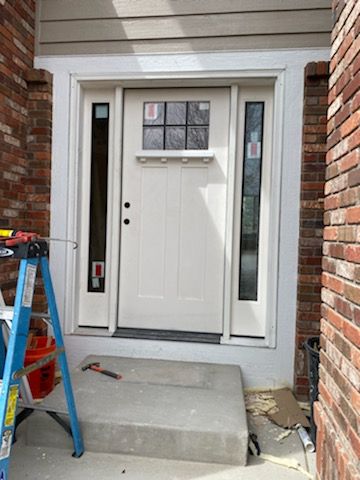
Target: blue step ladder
{"x":32,"y":254}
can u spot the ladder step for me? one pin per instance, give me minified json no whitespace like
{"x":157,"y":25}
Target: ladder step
{"x":7,"y":313}
{"x":42,"y":408}
{"x":36,"y":365}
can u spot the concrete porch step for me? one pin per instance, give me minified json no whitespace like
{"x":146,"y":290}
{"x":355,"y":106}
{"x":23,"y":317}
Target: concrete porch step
{"x":161,"y":409}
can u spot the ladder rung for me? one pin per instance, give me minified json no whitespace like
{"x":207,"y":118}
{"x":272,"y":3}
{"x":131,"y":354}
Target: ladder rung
{"x":42,"y":408}
{"x":36,"y":365}
{"x":6,"y":313}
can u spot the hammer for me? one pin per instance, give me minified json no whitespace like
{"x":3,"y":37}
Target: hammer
{"x":96,"y":367}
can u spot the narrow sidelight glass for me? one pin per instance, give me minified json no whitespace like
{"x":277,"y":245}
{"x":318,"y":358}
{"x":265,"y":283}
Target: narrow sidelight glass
{"x":251,"y":188}
{"x":98,"y":196}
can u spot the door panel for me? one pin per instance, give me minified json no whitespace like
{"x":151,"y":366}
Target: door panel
{"x":172,"y":247}
{"x":152,"y":234}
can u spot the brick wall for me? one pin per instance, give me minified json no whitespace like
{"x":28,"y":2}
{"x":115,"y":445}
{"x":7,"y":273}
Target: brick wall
{"x":338,"y":411}
{"x":25,"y":132}
{"x":16,"y":57}
{"x":311,"y":216}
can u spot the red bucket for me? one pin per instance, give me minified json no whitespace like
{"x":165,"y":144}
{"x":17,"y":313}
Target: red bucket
{"x":42,"y":380}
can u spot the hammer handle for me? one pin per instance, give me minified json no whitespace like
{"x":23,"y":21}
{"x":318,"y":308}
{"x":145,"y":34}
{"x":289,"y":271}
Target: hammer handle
{"x":106,"y":372}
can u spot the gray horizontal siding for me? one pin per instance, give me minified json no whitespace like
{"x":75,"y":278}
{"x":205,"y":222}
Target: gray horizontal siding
{"x":96,"y":26}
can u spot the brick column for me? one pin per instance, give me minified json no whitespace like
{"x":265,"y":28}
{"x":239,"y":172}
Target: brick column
{"x":311,"y":216}
{"x":337,"y":413}
{"x":38,"y":180}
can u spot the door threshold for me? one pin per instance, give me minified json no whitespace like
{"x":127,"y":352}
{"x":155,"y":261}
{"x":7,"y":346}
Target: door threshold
{"x":169,"y":335}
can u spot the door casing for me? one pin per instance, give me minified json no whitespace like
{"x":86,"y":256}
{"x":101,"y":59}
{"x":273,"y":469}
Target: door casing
{"x":227,"y":336}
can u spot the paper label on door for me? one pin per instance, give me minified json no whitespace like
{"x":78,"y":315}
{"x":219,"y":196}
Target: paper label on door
{"x":6,"y":444}
{"x":28,"y":293}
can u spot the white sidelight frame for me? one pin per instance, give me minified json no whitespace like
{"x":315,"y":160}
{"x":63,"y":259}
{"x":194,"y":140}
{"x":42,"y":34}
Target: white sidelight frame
{"x":284,"y":68}
{"x":250,"y":317}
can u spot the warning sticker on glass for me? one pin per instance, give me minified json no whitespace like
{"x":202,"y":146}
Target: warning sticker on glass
{"x":203,"y":105}
{"x":30,"y":276}
{"x":11,"y":406}
{"x":151,"y":111}
{"x":254,"y":150}
{"x":6,"y":444}
{"x":98,"y":269}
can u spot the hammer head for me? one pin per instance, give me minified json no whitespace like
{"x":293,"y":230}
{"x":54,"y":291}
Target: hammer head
{"x":89,"y":365}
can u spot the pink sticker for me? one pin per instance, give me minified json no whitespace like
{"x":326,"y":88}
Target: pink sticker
{"x":151,"y":111}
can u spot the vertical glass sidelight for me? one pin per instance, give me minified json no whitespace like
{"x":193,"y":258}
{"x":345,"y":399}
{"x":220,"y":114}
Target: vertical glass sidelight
{"x":98,"y":196}
{"x":250,"y":214}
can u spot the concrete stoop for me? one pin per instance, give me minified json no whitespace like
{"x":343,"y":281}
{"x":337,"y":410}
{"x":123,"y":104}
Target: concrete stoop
{"x":161,"y":409}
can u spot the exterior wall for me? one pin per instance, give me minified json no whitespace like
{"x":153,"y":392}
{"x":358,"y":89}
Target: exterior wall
{"x":338,"y":409}
{"x":78,"y":27}
{"x":25,"y":99}
{"x":263,"y":366}
{"x":311,"y":216}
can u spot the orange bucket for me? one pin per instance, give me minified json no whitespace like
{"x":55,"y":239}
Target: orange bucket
{"x":42,"y":380}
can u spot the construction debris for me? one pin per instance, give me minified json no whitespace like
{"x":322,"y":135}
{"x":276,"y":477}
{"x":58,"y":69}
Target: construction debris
{"x":254,"y":446}
{"x":260,"y":403}
{"x":305,"y":439}
{"x":305,"y":407}
{"x":286,"y":462}
{"x":279,"y":405}
{"x":284,"y":435}
{"x":289,"y":413}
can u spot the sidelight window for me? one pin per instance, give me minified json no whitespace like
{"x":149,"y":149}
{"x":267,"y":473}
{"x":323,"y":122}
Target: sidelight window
{"x":250,"y":214}
{"x":98,"y":196}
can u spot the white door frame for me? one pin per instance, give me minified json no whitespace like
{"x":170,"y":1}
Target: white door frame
{"x":233,"y":79}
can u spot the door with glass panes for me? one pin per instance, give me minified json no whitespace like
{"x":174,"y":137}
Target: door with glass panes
{"x":173,"y":209}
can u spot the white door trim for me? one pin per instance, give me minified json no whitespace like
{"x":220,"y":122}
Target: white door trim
{"x":275,"y":77}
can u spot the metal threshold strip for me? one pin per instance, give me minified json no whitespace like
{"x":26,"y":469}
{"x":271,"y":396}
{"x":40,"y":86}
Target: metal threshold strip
{"x":169,"y":335}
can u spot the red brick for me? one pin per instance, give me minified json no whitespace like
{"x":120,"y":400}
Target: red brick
{"x":352,"y":253}
{"x":334,"y":318}
{"x":355,"y":441}
{"x":350,"y":124}
{"x":330,"y":233}
{"x":352,"y":333}
{"x":352,"y":293}
{"x":349,"y":161}
{"x":352,"y":88}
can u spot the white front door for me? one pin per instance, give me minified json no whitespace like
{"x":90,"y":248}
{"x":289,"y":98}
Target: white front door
{"x":174,"y":182}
